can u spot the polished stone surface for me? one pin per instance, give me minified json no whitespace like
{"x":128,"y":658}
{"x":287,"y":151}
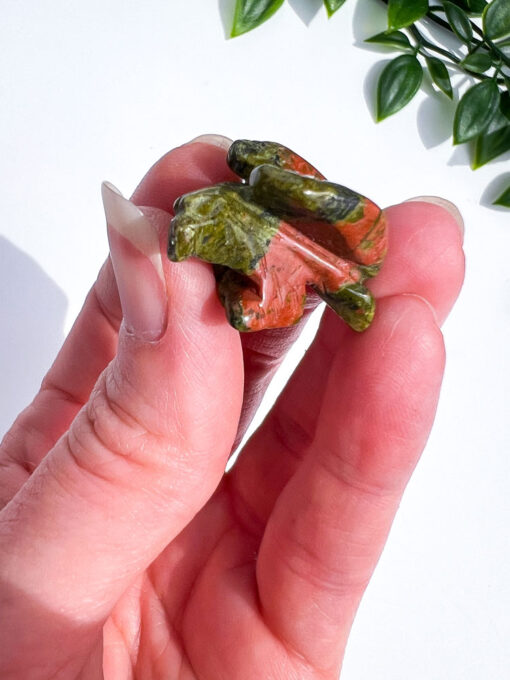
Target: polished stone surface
{"x":282,"y":230}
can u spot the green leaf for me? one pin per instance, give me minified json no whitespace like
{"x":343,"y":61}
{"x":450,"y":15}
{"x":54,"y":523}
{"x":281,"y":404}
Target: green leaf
{"x":496,"y":139}
{"x":440,"y":76}
{"x":459,"y":21}
{"x":460,"y":3}
{"x":475,"y":111}
{"x":505,"y":50}
{"x":476,"y":6}
{"x":402,"y":13}
{"x":332,"y":6}
{"x":504,"y":104}
{"x":496,"y":19}
{"x":398,"y":83}
{"x":251,"y":13}
{"x":478,"y":62}
{"x":395,"y":39}
{"x":504,"y":199}
{"x":502,"y":55}
{"x":490,"y":146}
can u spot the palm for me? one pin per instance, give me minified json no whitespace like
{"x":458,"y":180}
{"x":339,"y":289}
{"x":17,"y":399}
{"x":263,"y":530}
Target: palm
{"x":255,"y":573}
{"x":199,"y":616}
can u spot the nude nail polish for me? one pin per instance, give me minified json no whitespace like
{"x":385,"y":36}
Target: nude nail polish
{"x":138,"y":266}
{"x":443,"y":203}
{"x":215,"y":140}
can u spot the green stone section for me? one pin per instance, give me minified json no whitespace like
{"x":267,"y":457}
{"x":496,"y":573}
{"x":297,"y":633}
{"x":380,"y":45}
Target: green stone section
{"x":289,"y":193}
{"x":354,"y":303}
{"x":221,"y":224}
{"x":230,"y":285}
{"x":369,"y":270}
{"x":244,"y":155}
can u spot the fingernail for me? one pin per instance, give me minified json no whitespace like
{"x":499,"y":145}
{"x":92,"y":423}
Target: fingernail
{"x":443,"y":203}
{"x":215,"y":140}
{"x":137,"y":263}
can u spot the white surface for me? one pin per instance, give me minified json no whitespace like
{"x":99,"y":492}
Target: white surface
{"x":99,"y":90}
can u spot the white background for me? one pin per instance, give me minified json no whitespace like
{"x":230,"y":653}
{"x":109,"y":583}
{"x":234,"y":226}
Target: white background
{"x":100,"y":89}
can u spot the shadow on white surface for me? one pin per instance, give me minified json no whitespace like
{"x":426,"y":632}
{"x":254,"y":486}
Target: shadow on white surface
{"x":32,"y":313}
{"x":369,"y":18}
{"x":306,"y":9}
{"x":494,"y":191}
{"x":435,"y":119}
{"x":460,"y":156}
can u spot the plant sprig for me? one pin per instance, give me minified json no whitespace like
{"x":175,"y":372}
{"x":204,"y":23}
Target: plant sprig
{"x":482,"y":31}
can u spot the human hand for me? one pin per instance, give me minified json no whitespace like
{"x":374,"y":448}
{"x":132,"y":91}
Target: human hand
{"x":125,"y":549}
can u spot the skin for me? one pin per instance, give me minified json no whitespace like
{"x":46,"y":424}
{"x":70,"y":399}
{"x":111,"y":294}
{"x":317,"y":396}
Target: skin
{"x":125,"y":549}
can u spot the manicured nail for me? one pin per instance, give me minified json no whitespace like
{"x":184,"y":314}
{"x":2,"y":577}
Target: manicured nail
{"x":443,"y":203}
{"x":215,"y":140}
{"x":137,"y":263}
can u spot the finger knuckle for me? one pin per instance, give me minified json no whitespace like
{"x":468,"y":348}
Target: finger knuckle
{"x":106,"y":436}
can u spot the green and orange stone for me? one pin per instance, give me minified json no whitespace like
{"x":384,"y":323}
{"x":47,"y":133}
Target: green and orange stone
{"x":281,"y":231}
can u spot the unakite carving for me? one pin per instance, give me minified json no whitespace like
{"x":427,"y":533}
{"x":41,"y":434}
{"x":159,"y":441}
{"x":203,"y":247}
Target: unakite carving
{"x":282,"y":230}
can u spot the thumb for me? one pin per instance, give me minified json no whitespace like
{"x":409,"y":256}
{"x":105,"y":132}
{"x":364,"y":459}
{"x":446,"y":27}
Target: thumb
{"x":138,"y":462}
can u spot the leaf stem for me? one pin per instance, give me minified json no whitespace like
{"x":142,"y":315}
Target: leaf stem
{"x":431,"y":14}
{"x":495,"y":48}
{"x":455,"y":61}
{"x":435,"y":48}
{"x":423,"y":42}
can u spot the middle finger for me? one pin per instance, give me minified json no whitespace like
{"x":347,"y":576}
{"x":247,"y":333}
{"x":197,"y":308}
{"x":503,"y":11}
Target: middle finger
{"x":425,"y":258}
